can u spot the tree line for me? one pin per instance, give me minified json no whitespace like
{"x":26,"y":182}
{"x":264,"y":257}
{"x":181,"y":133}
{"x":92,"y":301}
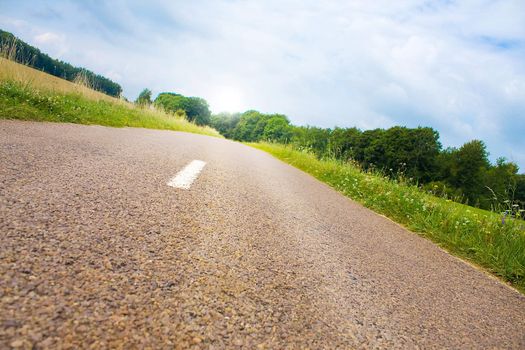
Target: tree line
{"x":26,"y":54}
{"x":463,"y":174}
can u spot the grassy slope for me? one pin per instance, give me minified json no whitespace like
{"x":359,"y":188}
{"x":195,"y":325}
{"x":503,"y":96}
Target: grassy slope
{"x":476,"y":235}
{"x":12,"y":71}
{"x":28,"y":94}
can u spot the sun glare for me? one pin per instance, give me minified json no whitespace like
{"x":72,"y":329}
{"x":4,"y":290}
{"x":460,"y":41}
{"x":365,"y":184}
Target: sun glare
{"x":226,"y":99}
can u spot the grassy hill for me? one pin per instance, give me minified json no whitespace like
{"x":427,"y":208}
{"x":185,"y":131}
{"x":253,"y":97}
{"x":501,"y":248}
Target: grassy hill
{"x":19,"y":51}
{"x":28,"y":94}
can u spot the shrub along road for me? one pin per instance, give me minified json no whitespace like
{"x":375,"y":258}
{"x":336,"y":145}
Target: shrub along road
{"x":97,"y":250}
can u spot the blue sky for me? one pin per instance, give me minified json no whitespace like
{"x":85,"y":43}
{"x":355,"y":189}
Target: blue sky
{"x":457,"y":66}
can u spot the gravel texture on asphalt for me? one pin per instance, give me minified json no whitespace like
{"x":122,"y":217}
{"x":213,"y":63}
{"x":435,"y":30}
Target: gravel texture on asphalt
{"x":98,"y":252}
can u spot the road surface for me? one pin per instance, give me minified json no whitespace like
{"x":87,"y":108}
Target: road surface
{"x":98,"y":251}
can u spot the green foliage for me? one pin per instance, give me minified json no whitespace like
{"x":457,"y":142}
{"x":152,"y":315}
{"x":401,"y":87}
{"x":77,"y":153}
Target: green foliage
{"x":443,"y":190}
{"x":196,"y":108}
{"x":144,"y":98}
{"x":169,"y":101}
{"x":312,"y":139}
{"x":343,"y":143}
{"x":400,"y":150}
{"x":225,"y":123}
{"x":31,"y":56}
{"x":502,"y":182}
{"x":277,"y":129}
{"x":519,"y":190}
{"x":254,"y":126}
{"x":249,"y":126}
{"x":20,"y":101}
{"x":474,"y":234}
{"x":466,"y":169}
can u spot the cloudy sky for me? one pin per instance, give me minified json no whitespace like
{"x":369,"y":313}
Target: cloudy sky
{"x":457,"y":66}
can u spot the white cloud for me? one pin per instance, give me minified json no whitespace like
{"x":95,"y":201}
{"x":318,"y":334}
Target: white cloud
{"x":51,"y":42}
{"x":46,"y":38}
{"x":13,"y":22}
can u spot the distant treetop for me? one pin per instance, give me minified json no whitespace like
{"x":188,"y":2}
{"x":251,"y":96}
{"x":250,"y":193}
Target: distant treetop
{"x":196,"y":108}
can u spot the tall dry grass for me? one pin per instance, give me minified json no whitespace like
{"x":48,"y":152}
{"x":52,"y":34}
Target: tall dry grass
{"x":13,"y":67}
{"x":12,"y":71}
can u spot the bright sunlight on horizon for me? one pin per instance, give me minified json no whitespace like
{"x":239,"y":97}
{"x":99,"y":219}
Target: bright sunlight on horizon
{"x":226,"y":99}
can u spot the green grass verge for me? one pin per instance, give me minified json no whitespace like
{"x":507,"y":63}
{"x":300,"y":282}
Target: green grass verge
{"x":23,"y":102}
{"x":473,"y":234}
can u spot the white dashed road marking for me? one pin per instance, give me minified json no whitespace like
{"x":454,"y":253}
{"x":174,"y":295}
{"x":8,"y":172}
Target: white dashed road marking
{"x":186,"y":176}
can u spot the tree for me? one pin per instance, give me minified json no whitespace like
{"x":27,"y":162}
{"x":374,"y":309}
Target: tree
{"x":468,"y":168}
{"x":250,"y":127}
{"x":412,"y":152}
{"x":343,"y":142}
{"x":196,"y":108}
{"x":277,"y":129}
{"x":312,"y":139}
{"x":519,"y":194}
{"x":225,"y":123}
{"x":425,"y":148}
{"x":501,"y":182}
{"x":169,"y":101}
{"x":370,"y":149}
{"x":144,"y":98}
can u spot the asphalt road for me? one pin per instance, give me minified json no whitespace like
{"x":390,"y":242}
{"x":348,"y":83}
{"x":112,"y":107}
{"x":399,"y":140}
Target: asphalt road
{"x":97,"y":251}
